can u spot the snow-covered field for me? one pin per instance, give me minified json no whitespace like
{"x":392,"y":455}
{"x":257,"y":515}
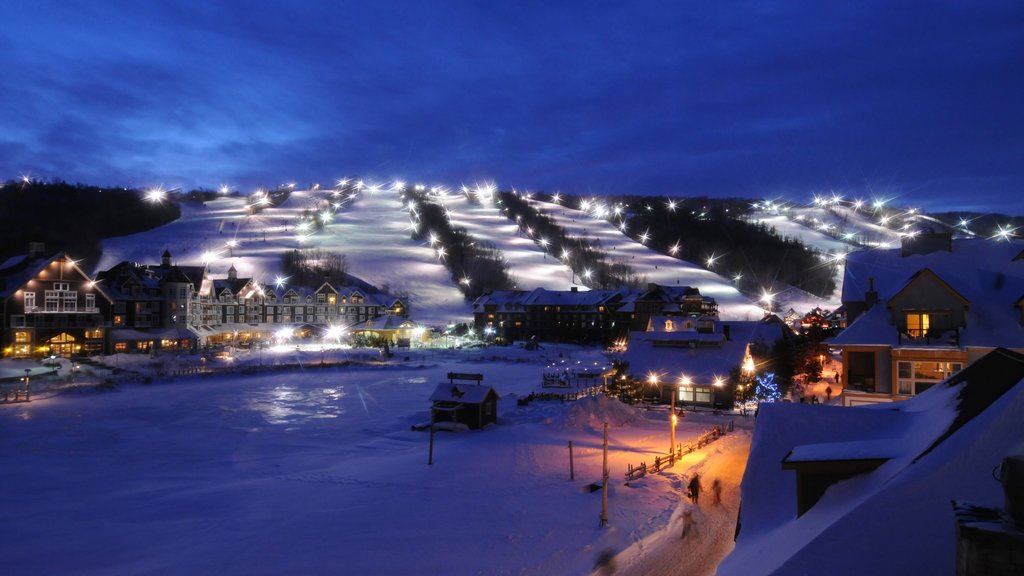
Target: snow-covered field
{"x":316,"y":470}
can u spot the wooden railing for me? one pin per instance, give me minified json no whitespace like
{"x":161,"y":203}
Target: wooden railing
{"x":669,"y":460}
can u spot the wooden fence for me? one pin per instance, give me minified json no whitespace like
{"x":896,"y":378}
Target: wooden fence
{"x":669,"y":460}
{"x":559,"y":396}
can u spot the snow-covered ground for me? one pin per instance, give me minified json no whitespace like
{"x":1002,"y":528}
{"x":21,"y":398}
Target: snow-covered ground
{"x":316,"y":470}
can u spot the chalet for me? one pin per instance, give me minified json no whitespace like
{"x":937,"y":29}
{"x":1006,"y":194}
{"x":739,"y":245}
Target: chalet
{"x":473,"y":405}
{"x":394,"y":330}
{"x":921,"y":313}
{"x":50,"y":306}
{"x":694,"y":358}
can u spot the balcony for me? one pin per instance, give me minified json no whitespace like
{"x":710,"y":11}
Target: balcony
{"x":931,"y":337}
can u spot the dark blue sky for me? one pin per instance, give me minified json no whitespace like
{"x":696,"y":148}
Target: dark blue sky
{"x":921,"y":101}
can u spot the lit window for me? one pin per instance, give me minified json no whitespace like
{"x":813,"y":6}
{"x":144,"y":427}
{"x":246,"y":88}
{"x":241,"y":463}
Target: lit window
{"x":917,"y":324}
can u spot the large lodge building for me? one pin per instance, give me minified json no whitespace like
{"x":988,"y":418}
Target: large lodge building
{"x":585,"y":316}
{"x":50,"y":306}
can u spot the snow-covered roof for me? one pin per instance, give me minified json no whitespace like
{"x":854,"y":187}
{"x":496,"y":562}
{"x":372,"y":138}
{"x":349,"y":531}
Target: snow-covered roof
{"x":700,"y":356}
{"x":386,"y":322}
{"x":983,"y":272}
{"x":975,"y":268}
{"x":466,"y":393}
{"x":18,"y":270}
{"x":850,"y":450}
{"x":943,"y":445}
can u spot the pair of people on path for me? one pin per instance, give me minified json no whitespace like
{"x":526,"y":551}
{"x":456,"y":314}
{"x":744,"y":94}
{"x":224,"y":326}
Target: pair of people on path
{"x":695,"y":488}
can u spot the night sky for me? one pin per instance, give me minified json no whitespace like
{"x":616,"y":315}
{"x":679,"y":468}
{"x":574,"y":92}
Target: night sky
{"x":921,"y":102}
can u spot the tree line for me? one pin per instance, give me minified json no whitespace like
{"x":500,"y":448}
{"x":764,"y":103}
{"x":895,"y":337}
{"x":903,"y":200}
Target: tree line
{"x":75,"y":217}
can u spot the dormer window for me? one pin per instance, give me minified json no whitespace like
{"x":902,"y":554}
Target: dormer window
{"x":918,"y":324}
{"x":669,"y":326}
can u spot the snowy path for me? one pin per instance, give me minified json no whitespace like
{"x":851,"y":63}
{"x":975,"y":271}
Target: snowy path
{"x":666,"y":553}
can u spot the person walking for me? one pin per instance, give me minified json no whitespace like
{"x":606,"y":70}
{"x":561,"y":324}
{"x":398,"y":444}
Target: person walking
{"x":695,"y":488}
{"x":689,"y":524}
{"x":716,"y":492}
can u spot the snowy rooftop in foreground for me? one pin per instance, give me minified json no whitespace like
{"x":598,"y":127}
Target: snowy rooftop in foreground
{"x":896,"y":519}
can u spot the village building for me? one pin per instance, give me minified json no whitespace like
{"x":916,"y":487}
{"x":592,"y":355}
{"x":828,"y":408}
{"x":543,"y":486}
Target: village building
{"x":584,"y":316}
{"x":918,"y":314}
{"x":695,"y":359}
{"x":152,"y":305}
{"x":50,"y":306}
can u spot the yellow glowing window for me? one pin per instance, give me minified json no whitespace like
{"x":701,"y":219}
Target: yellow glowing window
{"x":917,"y":324}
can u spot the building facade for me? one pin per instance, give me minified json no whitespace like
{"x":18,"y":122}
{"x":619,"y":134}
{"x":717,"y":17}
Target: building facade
{"x":921,"y":313}
{"x":50,"y":306}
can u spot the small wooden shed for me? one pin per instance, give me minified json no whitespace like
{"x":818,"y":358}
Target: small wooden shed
{"x":458,"y":401}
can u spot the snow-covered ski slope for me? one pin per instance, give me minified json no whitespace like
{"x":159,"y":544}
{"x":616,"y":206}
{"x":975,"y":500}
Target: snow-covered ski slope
{"x":652,"y":265}
{"x":371,"y":231}
{"x":527,"y":262}
{"x":835,"y":229}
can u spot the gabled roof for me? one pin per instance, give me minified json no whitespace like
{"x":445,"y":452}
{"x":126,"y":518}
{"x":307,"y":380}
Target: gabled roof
{"x":18,"y":270}
{"x":464,"y":393}
{"x":982,"y":273}
{"x":670,"y":354}
{"x":926,"y":275}
{"x":972,"y":269}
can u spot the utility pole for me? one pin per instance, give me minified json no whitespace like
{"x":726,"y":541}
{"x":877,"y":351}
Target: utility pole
{"x":572,"y":468}
{"x":672,"y":424}
{"x":604,"y":482}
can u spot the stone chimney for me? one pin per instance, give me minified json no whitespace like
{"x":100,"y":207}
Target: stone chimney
{"x":36,"y":249}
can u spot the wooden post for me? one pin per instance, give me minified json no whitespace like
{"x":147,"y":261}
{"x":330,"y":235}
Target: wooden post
{"x":572,"y":467}
{"x":672,"y":423}
{"x":430,"y":456}
{"x":604,"y":482}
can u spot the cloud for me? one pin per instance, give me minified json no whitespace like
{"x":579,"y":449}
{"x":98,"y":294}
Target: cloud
{"x":725,"y":99}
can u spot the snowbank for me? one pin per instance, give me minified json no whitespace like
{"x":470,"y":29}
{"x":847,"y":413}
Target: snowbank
{"x":592,"y":412}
